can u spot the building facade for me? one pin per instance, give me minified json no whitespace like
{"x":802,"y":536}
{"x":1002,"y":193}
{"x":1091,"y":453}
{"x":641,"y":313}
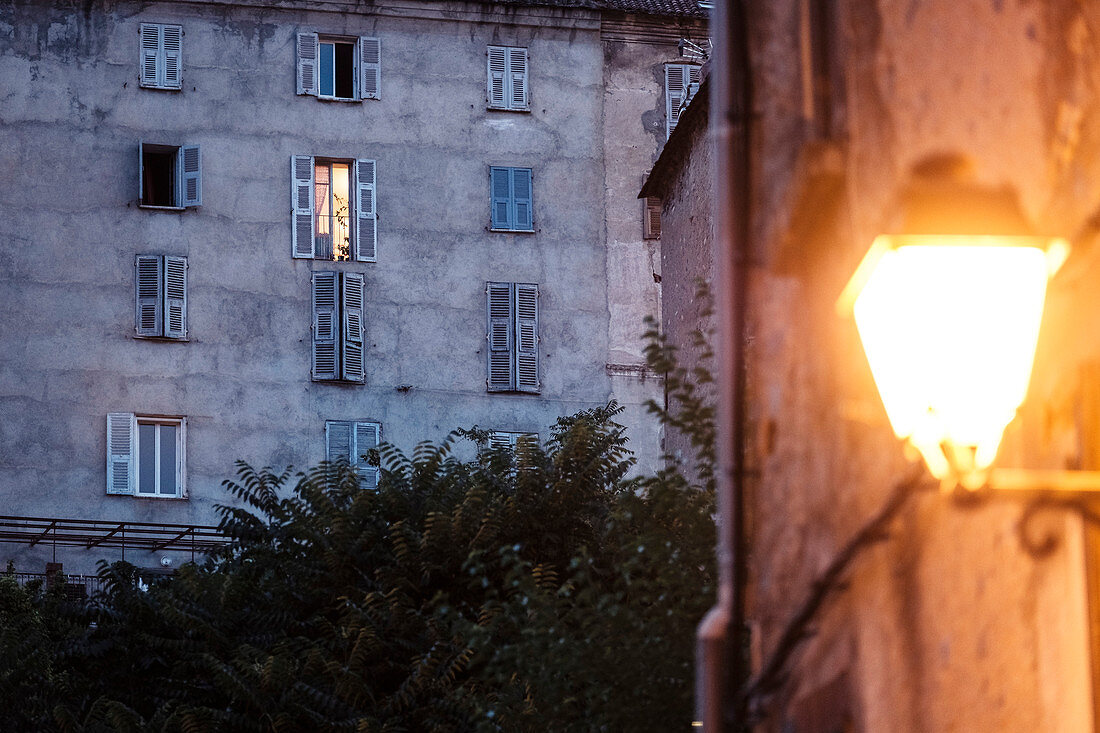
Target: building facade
{"x":285,"y":232}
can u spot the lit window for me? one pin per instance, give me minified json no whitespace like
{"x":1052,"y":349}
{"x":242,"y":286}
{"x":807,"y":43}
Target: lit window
{"x":334,"y":209}
{"x":170,"y":176}
{"x":145,"y":455}
{"x":339,"y":68}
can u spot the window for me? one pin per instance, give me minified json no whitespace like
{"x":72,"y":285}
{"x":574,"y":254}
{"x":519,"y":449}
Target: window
{"x":145,"y":455}
{"x":350,"y":440}
{"x":651,"y":218}
{"x":338,"y":326}
{"x":160,"y":296}
{"x":681,"y":83}
{"x":504,"y":438}
{"x":342,"y":68}
{"x":513,"y":336}
{"x":508,"y":78}
{"x":170,"y":176}
{"x":511,"y":200}
{"x":334,"y":209}
{"x":161,"y":47}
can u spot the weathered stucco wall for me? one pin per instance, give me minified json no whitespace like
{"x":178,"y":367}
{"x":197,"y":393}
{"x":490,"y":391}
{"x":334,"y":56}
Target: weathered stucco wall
{"x":73,"y":114}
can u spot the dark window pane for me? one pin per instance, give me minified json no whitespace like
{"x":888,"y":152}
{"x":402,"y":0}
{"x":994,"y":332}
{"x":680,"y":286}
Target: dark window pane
{"x":168,"y":460}
{"x":147,"y":466}
{"x":345,"y":70}
{"x":327,"y":69}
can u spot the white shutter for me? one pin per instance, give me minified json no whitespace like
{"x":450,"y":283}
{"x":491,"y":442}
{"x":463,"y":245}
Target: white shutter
{"x":301,"y":201}
{"x":501,"y":354}
{"x":351,"y":346}
{"x":366,"y":229}
{"x":338,"y":438}
{"x":675,"y":84}
{"x":367,"y":435}
{"x":308,"y":69}
{"x":500,"y":439}
{"x":324,"y":325}
{"x":370,"y":68}
{"x":121,"y":461}
{"x":498,"y":74}
{"x":527,"y":337}
{"x":150,"y":51}
{"x":517,"y":76}
{"x":172,"y":53}
{"x":141,"y":171}
{"x":175,"y":297}
{"x":149,"y":314}
{"x":189,"y":163}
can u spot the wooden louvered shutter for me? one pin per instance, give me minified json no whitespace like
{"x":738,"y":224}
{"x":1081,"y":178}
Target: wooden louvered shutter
{"x":338,"y":437}
{"x":522,"y":205}
{"x":370,"y":68}
{"x":190,"y":165}
{"x":324,"y":325}
{"x":351,"y":342}
{"x":366,"y":229}
{"x":675,"y":85}
{"x":175,"y":297}
{"x":651,"y":222}
{"x":500,"y":187}
{"x":527,"y":337}
{"x":150,"y":51}
{"x":498,"y":75}
{"x":517,"y":76}
{"x":149,"y":315}
{"x":501,"y":354}
{"x":121,"y":463}
{"x":172,"y":42}
{"x":367,"y":436}
{"x":301,"y":196}
{"x":308,"y":69}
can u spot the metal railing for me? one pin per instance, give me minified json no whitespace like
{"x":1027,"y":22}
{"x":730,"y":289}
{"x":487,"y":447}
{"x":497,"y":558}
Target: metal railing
{"x":332,"y":240}
{"x":77,"y":587}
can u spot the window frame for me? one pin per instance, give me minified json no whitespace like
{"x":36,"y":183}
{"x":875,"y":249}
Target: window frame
{"x":505,"y":58}
{"x":124,"y":454}
{"x":366,"y":66}
{"x":367,"y":473}
{"x":186,"y":167}
{"x":160,"y":53}
{"x":511,"y":201}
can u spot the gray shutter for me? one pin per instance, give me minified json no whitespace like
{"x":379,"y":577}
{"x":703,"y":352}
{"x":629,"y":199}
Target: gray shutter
{"x":301,"y":201}
{"x":121,"y":462}
{"x":190,"y":164}
{"x":498,"y":78}
{"x":351,"y":306}
{"x":678,"y":78}
{"x":522,"y":204}
{"x":308,"y":69}
{"x":500,"y":193}
{"x":338,"y":438}
{"x":175,"y":297}
{"x":149,"y":315}
{"x":324,"y":325}
{"x":172,"y":37}
{"x":500,"y":439}
{"x":366,"y":229}
{"x":501,"y":354}
{"x":370,"y":68}
{"x":367,"y":435}
{"x":150,"y":51}
{"x":517,"y":76}
{"x":527,"y":337}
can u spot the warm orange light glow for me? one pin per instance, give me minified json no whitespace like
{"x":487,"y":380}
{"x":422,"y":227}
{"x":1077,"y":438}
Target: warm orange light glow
{"x":949,"y":325}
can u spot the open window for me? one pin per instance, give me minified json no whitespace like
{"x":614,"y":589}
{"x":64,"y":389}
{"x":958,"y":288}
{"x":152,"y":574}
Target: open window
{"x":343,"y":68}
{"x":333,"y":209}
{"x":145,"y":455}
{"x":170,"y":176}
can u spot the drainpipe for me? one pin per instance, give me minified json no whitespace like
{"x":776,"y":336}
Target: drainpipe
{"x":720,"y":659}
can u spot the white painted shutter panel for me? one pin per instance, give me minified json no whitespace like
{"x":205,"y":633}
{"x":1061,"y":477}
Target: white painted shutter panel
{"x":501,"y":353}
{"x":675,"y":84}
{"x":370,"y":67}
{"x":352,"y":317}
{"x":121,"y":461}
{"x":367,"y":436}
{"x":301,"y":195}
{"x":527,"y":337}
{"x":324,"y":325}
{"x":190,"y":165}
{"x":498,"y":74}
{"x":366,"y":229}
{"x":498,"y":439}
{"x":309,"y":70}
{"x":517,"y":75}
{"x":172,"y":37}
{"x":175,"y":297}
{"x":149,"y":314}
{"x":150,"y":50}
{"x":338,"y":437}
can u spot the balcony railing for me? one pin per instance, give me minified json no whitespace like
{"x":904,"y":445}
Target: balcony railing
{"x":332,"y":240}
{"x":77,"y":587}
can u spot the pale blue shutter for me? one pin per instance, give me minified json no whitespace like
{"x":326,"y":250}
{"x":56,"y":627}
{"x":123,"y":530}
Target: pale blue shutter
{"x":324,"y":325}
{"x":527,"y":337}
{"x":370,"y":68}
{"x":189,"y":162}
{"x":367,"y":436}
{"x":500,"y":187}
{"x":121,"y":462}
{"x":150,"y":51}
{"x":501,"y":353}
{"x":338,"y":441}
{"x":172,"y":50}
{"x":522,"y":200}
{"x":517,"y":77}
{"x":148,"y":317}
{"x":351,"y":307}
{"x":175,"y":297}
{"x":308,"y":68}
{"x":366,"y":230}
{"x":301,"y":197}
{"x":498,"y":75}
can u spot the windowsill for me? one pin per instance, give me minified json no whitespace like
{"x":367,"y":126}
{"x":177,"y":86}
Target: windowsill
{"x":513,"y":391}
{"x":169,"y":339}
{"x":352,"y":100}
{"x":341,"y":382}
{"x":162,"y":208}
{"x":512,"y":231}
{"x":161,"y":89}
{"x":526,"y":110}
{"x":156,"y":496}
